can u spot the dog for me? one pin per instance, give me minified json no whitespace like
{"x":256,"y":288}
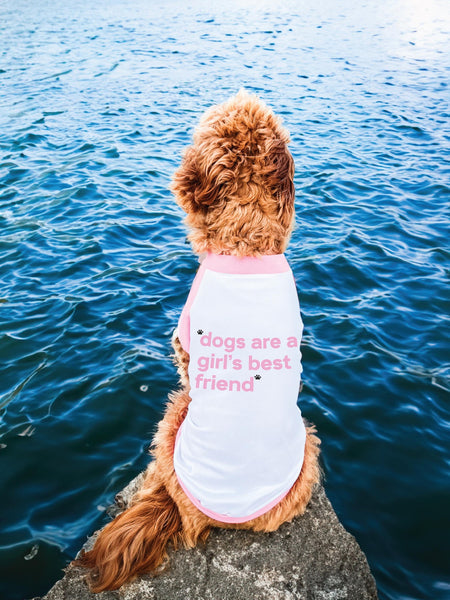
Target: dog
{"x":232,"y":450}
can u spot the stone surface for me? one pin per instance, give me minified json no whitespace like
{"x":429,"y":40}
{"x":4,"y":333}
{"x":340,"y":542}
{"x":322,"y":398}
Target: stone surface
{"x":312,"y":558}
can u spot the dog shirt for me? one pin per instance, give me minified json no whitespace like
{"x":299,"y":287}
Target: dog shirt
{"x":241,"y":446}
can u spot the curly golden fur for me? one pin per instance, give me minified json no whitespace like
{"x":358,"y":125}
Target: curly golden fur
{"x":236,"y":185}
{"x":236,"y":182}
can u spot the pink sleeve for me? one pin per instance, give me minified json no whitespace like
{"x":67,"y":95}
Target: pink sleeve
{"x":184,"y":328}
{"x":184,"y":324}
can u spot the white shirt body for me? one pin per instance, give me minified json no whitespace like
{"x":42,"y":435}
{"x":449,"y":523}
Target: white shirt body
{"x":241,"y":446}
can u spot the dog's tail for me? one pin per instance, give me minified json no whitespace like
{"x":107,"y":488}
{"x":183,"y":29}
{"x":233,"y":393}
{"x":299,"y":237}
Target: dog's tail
{"x":135,"y":542}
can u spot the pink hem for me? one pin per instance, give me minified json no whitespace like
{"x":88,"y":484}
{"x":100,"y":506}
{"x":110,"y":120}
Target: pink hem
{"x":224,"y":518}
{"x":246,"y":265}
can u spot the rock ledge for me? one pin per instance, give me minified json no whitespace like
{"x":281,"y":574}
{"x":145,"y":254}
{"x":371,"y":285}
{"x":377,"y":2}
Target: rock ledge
{"x":312,"y":558}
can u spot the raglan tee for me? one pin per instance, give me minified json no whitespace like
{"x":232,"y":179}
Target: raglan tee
{"x":241,"y":446}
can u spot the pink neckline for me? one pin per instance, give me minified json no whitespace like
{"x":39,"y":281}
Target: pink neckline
{"x":227,"y":263}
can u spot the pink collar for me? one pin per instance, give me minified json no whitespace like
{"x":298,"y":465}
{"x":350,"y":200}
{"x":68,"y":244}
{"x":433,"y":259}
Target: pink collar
{"x":227,"y":263}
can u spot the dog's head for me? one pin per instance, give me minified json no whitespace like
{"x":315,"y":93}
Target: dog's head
{"x":236,"y":181}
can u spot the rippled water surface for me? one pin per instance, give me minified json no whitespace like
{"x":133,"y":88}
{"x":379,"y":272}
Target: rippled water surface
{"x":97,"y":101}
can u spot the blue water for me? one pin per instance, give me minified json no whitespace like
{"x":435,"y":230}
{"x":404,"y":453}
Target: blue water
{"x":97,"y":101}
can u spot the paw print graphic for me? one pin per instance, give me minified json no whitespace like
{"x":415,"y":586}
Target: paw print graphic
{"x":257,"y":377}
{"x":200,"y":331}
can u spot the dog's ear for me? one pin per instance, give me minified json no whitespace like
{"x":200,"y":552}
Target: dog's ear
{"x":279,"y":172}
{"x":194,"y":190}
